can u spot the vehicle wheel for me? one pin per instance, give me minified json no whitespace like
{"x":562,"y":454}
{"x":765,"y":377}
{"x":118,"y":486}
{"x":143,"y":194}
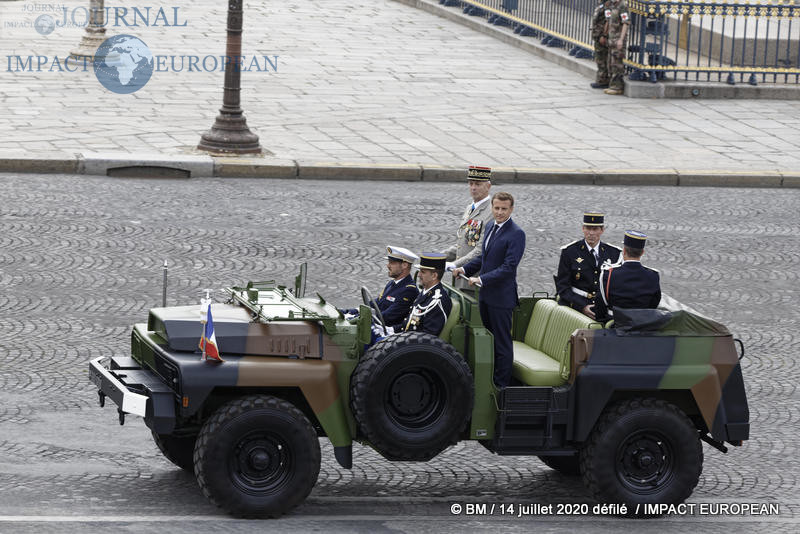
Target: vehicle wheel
{"x":642,"y":451}
{"x":566,"y":465}
{"x":412,"y":396}
{"x":177,"y":449}
{"x":257,"y":456}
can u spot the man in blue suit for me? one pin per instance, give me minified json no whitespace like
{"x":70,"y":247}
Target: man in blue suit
{"x":495,"y":272}
{"x":630,"y":284}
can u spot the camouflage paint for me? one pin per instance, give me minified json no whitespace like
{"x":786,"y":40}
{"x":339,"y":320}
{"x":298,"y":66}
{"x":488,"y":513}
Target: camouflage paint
{"x":706,"y":366}
{"x":316,"y":355}
{"x":317,"y":379}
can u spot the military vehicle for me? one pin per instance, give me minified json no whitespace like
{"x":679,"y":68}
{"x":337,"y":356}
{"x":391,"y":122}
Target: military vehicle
{"x":625,"y":405}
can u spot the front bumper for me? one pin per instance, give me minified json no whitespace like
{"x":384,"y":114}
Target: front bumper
{"x":135,"y":391}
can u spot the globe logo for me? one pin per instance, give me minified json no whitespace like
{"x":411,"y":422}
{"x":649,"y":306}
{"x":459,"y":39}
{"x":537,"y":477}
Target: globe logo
{"x":44,"y":24}
{"x":123,"y":64}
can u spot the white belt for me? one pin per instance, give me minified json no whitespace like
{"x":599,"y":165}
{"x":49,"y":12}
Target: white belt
{"x":582,"y":293}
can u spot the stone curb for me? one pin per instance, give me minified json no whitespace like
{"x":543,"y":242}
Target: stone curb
{"x":138,"y":165}
{"x":233,"y":167}
{"x":586,"y":67}
{"x":198,"y":166}
{"x":37,"y":164}
{"x":356,"y":171}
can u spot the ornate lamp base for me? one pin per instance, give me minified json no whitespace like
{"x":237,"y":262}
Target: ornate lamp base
{"x":230,"y":135}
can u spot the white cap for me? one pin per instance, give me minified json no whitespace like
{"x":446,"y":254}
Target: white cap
{"x":402,"y":254}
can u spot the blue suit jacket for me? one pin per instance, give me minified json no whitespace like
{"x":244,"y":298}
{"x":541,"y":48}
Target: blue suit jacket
{"x":497,"y":265}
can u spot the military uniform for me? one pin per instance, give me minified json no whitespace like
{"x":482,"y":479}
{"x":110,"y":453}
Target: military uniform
{"x":578,"y":278}
{"x":432,"y":306}
{"x":617,"y":16}
{"x":396,"y":299}
{"x":470,"y":231}
{"x":629,"y":284}
{"x":430,"y":311}
{"x":397,"y":296}
{"x":600,"y":49}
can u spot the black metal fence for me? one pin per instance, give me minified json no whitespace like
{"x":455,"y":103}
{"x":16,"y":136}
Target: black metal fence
{"x":716,"y":41}
{"x":731,"y":41}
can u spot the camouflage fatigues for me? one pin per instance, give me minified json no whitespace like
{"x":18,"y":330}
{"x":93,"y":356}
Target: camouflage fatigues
{"x":617,"y":16}
{"x":600,"y":50}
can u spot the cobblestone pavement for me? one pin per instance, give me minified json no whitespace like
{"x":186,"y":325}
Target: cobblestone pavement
{"x":80,"y":262}
{"x":372,"y":81}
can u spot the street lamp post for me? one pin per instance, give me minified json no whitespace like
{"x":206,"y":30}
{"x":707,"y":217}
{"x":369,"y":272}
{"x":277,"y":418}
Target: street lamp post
{"x":95,"y":32}
{"x":230,"y":134}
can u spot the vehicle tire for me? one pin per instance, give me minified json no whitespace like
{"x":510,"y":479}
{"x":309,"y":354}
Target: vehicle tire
{"x":412,"y":396}
{"x":257,"y":456}
{"x":642,"y":451}
{"x":566,"y":465}
{"x":177,"y":449}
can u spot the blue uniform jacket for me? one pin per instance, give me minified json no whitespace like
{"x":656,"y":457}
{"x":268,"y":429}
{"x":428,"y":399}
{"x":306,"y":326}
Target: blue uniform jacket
{"x":630,"y":285}
{"x":497,"y":265}
{"x":396,"y":300}
{"x":429,"y":312}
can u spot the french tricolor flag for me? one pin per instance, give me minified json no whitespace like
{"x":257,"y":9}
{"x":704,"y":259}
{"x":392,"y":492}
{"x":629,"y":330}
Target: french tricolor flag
{"x":208,"y":342}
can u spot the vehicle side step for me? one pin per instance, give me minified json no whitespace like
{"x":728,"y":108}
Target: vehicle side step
{"x":531,"y":418}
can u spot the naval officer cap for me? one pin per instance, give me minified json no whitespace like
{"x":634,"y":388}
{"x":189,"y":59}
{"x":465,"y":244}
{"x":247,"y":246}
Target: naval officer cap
{"x":432,"y":260}
{"x":635,"y":239}
{"x":401,"y":254}
{"x":593,"y":218}
{"x":481,"y":174}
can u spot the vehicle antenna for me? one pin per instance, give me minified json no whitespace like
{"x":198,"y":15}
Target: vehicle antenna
{"x":164,"y":287}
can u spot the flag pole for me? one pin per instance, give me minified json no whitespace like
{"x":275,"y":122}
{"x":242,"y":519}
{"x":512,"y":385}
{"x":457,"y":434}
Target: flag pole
{"x":205,"y":304}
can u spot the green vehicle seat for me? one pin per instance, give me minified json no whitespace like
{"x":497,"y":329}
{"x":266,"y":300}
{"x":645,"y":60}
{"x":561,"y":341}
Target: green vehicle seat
{"x":542,"y":359}
{"x":452,"y":319}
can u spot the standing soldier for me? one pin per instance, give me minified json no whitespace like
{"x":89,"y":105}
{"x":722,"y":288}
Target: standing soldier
{"x":473,"y":221}
{"x":600,"y":39}
{"x":578,"y":278}
{"x":618,"y":20}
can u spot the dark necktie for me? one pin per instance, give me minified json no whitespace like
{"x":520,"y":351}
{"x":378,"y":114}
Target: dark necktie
{"x":491,"y":235}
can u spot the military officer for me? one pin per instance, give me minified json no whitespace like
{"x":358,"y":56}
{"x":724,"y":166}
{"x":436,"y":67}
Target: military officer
{"x":600,"y":39}
{"x":433,"y":305}
{"x":630,"y":284}
{"x":618,"y":21}
{"x":577,"y":281}
{"x":400,"y":292}
{"x":473,"y":221}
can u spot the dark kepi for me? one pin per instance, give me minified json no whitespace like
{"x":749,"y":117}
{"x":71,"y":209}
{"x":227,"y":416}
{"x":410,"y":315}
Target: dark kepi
{"x":593,"y":218}
{"x":432,"y":260}
{"x":635,"y":239}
